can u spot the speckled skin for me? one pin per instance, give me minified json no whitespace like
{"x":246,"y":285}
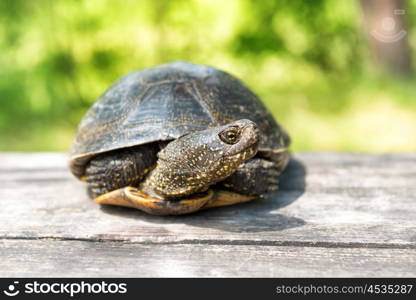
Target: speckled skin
{"x":145,"y":110}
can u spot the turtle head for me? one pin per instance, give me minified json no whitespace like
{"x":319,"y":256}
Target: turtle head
{"x":197,"y":160}
{"x":215,"y":150}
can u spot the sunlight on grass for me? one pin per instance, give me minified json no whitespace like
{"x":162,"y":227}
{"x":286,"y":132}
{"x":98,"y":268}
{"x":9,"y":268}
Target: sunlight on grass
{"x":377,"y":127}
{"x":309,"y":63}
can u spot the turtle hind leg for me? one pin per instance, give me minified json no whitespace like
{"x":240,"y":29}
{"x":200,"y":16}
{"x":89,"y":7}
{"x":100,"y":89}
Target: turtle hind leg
{"x":110,"y":171}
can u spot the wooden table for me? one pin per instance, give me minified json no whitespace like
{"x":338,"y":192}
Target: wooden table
{"x":336,"y":214}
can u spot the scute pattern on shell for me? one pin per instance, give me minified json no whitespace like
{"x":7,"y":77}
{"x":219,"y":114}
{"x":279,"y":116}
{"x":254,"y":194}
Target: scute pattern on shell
{"x":165,"y":102}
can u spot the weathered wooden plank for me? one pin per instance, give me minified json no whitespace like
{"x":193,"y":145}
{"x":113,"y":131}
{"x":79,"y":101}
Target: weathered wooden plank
{"x":51,"y":258}
{"x":325,"y":198}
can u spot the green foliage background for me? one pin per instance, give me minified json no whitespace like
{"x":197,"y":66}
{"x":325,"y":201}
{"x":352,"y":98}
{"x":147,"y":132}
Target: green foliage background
{"x":308,"y":60}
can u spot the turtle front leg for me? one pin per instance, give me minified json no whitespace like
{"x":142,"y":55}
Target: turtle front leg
{"x":120,"y":168}
{"x":252,"y":179}
{"x":255,"y":177}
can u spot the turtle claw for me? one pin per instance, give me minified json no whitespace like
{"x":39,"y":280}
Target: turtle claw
{"x":272,"y":188}
{"x":273,"y":181}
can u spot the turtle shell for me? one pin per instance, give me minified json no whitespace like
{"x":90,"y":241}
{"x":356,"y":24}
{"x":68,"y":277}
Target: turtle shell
{"x":164,"y":103}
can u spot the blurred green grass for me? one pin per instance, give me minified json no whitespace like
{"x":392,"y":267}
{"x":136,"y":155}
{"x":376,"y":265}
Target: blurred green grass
{"x":308,"y":61}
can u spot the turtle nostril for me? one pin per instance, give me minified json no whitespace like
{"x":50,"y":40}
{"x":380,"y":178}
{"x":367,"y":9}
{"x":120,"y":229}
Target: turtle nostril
{"x":252,"y":132}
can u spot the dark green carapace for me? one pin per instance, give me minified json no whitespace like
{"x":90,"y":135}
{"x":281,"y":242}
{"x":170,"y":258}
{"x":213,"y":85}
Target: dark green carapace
{"x":178,"y":138}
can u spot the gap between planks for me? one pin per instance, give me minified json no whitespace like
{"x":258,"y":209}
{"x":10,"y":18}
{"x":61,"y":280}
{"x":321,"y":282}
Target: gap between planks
{"x":302,"y":244}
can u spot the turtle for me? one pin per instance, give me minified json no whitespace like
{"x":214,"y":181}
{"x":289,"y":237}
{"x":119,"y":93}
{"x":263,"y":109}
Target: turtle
{"x":176,"y":138}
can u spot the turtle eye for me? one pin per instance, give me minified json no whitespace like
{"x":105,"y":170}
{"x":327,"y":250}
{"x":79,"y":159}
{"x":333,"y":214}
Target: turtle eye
{"x":230,"y":136}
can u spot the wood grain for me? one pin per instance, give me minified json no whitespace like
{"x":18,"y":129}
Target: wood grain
{"x":354,"y":209}
{"x":50,"y":258}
